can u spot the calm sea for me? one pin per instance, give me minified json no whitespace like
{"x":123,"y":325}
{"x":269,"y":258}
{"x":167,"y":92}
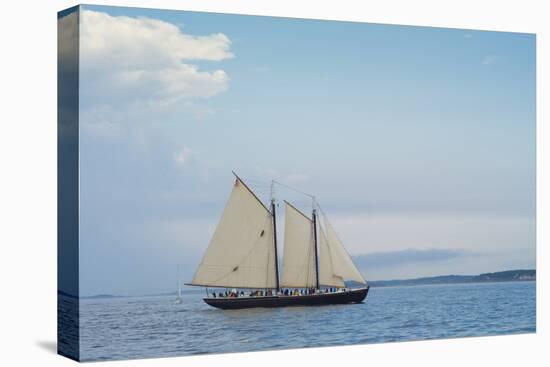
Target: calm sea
{"x":142,"y":327}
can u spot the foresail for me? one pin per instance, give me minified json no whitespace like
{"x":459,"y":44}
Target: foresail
{"x":327,"y":275}
{"x":341,"y":265}
{"x":299,"y":255}
{"x":241,"y":253}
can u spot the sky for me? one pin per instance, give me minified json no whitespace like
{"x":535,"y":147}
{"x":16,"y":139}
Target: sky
{"x":418,"y":142}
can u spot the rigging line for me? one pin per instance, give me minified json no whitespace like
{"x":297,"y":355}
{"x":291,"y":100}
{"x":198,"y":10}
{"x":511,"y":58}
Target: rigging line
{"x":294,"y":189}
{"x":255,"y":182}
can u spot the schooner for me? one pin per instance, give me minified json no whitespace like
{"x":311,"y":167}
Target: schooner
{"x":242,"y":255}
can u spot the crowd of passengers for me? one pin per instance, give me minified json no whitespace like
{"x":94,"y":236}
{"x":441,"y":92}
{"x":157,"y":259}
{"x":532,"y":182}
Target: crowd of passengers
{"x":283,"y":292}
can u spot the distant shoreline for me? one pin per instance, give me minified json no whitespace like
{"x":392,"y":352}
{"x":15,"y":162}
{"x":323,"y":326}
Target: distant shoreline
{"x":451,"y":283}
{"x":496,"y":277}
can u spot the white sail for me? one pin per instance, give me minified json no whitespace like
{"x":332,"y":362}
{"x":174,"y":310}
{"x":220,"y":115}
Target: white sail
{"x":340,"y":265}
{"x":299,"y":253}
{"x":241,"y":253}
{"x":327,"y":275}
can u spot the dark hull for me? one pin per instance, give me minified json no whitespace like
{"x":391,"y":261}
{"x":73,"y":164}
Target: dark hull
{"x":321,"y":299}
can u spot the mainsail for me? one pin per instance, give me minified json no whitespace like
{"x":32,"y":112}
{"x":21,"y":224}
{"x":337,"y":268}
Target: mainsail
{"x":299,"y":251}
{"x":241,"y":253}
{"x":336,"y":264}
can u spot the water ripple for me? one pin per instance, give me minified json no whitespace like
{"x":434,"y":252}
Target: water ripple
{"x":125,"y":328}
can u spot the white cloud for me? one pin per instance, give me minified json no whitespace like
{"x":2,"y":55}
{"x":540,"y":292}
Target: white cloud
{"x":67,"y":35}
{"x":184,"y":156}
{"x":126,"y":60}
{"x":144,"y":42}
{"x":489,"y":59}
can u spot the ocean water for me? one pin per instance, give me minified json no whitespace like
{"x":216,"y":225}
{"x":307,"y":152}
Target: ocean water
{"x":142,"y":327}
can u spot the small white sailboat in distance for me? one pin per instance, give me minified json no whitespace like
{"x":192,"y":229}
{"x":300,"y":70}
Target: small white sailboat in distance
{"x":242,"y":255}
{"x":178,"y":298}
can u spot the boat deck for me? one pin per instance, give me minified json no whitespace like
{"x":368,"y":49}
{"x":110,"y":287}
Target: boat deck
{"x":315,"y":299}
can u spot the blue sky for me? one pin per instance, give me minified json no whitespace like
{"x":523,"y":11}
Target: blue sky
{"x":418,"y":142}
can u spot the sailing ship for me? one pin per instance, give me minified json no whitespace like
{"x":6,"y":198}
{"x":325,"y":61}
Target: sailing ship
{"x":178,"y":299}
{"x":242,"y":256}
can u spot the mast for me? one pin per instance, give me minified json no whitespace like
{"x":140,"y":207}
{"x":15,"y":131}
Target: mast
{"x":315,"y":248}
{"x":275,"y":244}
